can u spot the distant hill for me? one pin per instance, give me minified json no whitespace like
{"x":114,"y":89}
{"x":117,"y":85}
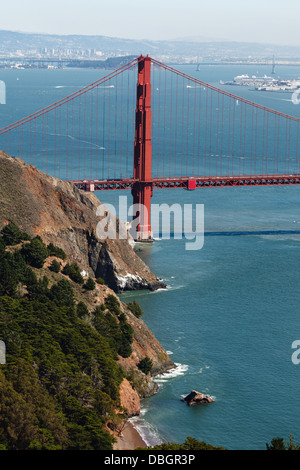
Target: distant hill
{"x":11,"y":41}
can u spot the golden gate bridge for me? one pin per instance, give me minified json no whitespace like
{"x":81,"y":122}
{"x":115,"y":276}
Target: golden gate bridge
{"x":147,"y":125}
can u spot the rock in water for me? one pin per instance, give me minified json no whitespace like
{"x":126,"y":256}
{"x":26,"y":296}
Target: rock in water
{"x":197,"y":398}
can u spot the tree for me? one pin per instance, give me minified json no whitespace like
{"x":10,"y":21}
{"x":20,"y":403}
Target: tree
{"x":17,"y":419}
{"x":56,"y":251}
{"x":35,"y":252}
{"x":2,"y":247}
{"x":135,"y":308}
{"x":81,"y":310}
{"x":90,"y":284}
{"x":277,"y":443}
{"x":145,"y":365}
{"x":73,"y":271}
{"x":125,"y":349}
{"x":8,"y":278}
{"x":62,"y":293}
{"x":55,"y":266}
{"x":12,"y":235}
{"x":112,"y":304}
{"x":190,"y":444}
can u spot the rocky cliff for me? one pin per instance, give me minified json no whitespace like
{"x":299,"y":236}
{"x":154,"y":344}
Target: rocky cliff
{"x":60,"y":213}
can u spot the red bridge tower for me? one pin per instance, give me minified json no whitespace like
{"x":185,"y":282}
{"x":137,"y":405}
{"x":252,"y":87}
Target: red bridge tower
{"x":143,"y":189}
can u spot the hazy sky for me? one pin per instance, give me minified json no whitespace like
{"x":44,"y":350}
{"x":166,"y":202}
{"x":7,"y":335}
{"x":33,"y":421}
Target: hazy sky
{"x":271,"y":21}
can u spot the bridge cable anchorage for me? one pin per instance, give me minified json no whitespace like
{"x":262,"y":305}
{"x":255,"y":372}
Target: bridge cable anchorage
{"x":147,"y":125}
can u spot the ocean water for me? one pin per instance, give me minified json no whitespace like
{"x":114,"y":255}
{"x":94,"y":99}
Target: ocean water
{"x":230,"y":313}
{"x":228,"y":319}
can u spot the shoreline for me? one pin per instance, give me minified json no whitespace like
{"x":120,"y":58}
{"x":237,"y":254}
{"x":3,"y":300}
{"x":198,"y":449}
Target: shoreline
{"x":130,"y":439}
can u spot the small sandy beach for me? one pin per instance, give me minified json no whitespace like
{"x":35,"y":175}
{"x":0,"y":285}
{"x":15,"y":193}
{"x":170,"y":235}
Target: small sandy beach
{"x":130,"y":439}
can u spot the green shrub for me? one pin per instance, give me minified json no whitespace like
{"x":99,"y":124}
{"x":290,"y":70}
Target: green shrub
{"x":62,"y":293}
{"x":67,"y":269}
{"x":55,"y":266}
{"x":8,"y":277}
{"x":35,"y":252}
{"x":189,"y":445}
{"x":2,"y":247}
{"x":135,"y":308}
{"x":73,"y":271}
{"x":56,"y":251}
{"x":145,"y":365}
{"x":12,"y":235}
{"x":278,"y":443}
{"x":90,"y":284}
{"x":112,"y":304}
{"x":81,"y":309}
{"x":125,"y":348}
{"x":119,"y":334}
{"x":100,"y":281}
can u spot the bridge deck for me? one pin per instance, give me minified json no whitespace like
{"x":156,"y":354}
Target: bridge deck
{"x":190,"y":182}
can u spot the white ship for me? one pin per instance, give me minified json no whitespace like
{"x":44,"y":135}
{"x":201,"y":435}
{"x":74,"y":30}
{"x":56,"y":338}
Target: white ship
{"x":265,"y":83}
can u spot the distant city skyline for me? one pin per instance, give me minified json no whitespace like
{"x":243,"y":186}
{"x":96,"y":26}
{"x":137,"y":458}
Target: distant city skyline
{"x":264,"y":21}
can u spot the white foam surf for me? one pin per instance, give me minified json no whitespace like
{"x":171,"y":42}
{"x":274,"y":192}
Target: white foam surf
{"x":179,"y":370}
{"x":148,"y":432}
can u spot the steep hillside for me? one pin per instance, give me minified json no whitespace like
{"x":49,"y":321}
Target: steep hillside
{"x":70,"y":341}
{"x":77,"y":360}
{"x":57,"y":211}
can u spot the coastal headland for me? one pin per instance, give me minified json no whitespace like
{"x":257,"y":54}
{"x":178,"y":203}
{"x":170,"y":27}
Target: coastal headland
{"x":55,"y":213}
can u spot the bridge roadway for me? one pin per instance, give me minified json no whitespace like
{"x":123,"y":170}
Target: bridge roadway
{"x":189,"y":183}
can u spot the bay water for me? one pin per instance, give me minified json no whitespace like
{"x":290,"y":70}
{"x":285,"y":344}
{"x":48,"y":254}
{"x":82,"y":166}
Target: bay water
{"x":228,"y":319}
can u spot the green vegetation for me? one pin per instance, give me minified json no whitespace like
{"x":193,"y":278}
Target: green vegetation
{"x":112,"y":304}
{"x":12,"y":235}
{"x":55,"y":266}
{"x":135,"y":308}
{"x":60,"y":385}
{"x":278,"y":443}
{"x":190,"y":444}
{"x":35,"y":252}
{"x":90,"y":284}
{"x":145,"y":365}
{"x":82,"y":310}
{"x":73,"y":271}
{"x":109,"y":320}
{"x":55,"y":251}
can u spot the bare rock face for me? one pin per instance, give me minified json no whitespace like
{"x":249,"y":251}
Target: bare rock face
{"x":129,"y":399}
{"x":196,"y":398}
{"x":122,"y":268}
{"x":67,"y":217}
